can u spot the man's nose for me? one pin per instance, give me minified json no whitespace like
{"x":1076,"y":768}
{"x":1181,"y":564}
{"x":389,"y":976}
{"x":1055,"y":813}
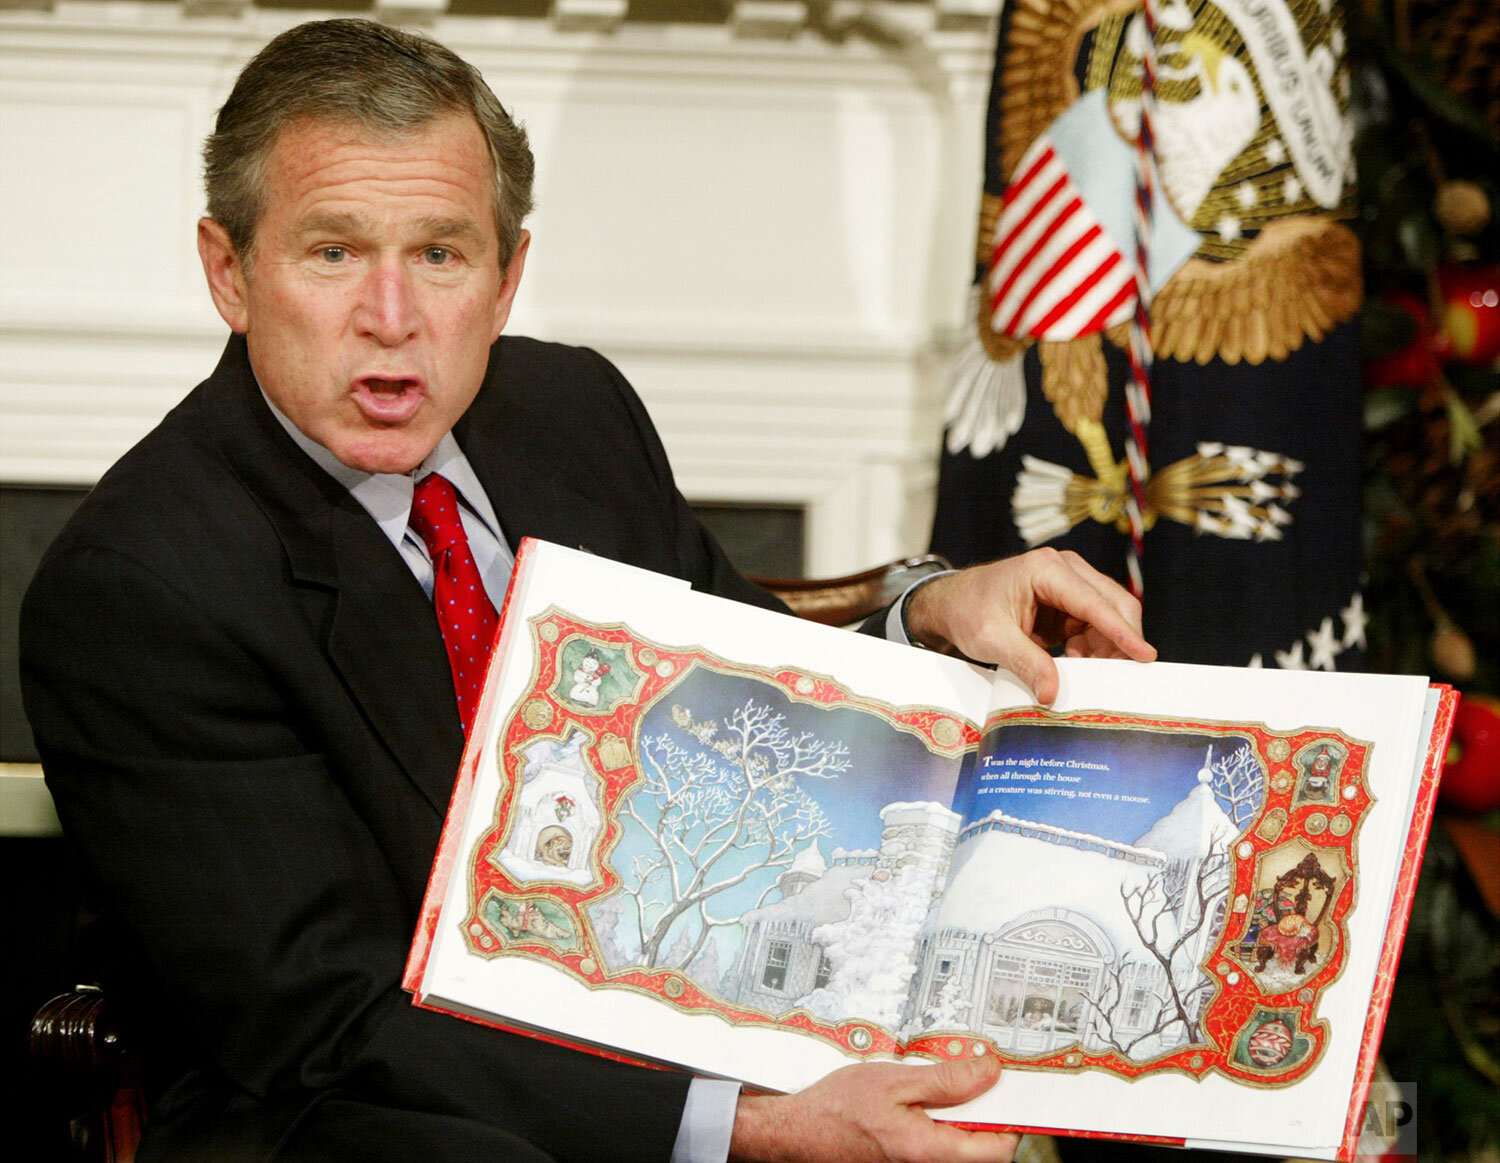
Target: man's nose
{"x":388,"y":310}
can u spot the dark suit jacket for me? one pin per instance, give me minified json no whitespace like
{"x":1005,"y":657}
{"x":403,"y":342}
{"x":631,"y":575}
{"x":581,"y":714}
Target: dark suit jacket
{"x":246,"y":717}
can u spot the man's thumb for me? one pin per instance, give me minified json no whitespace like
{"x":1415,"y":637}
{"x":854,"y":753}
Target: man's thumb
{"x":959,"y":1080}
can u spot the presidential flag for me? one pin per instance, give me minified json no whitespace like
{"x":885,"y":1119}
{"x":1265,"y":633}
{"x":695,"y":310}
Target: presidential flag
{"x":1163,"y":371}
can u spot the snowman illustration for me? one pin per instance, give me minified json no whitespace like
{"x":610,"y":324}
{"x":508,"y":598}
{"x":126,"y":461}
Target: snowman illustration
{"x":586,"y":679}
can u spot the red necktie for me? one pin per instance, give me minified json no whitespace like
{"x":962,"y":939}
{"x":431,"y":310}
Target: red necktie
{"x":464,"y":611}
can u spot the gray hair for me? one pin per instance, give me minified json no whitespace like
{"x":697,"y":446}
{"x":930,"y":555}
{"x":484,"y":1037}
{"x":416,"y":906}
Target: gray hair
{"x":362,"y":73}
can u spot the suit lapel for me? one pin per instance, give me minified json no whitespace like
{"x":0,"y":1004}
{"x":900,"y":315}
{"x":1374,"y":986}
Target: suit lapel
{"x":382,"y":638}
{"x":524,"y":460}
{"x":385,"y":642}
{"x":530,"y":503}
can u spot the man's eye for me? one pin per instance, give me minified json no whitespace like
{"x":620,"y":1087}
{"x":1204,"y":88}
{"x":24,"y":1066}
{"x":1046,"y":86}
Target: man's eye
{"x":437,"y":255}
{"x":332,"y":253}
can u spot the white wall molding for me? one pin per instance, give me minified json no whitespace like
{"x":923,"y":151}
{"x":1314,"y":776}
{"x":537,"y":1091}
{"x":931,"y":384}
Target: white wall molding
{"x":25,"y":806}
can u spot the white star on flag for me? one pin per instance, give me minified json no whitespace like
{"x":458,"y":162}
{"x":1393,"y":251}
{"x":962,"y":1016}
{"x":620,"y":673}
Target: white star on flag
{"x":1355,"y":621}
{"x":1325,"y":647}
{"x":1291,"y":659}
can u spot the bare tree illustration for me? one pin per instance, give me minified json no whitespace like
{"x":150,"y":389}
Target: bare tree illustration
{"x":719,"y":804}
{"x":1239,"y":784}
{"x":604,"y":917}
{"x":1174,"y":995}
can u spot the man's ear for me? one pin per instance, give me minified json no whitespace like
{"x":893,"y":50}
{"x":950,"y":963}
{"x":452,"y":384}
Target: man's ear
{"x":226,"y":275}
{"x":509,"y":283}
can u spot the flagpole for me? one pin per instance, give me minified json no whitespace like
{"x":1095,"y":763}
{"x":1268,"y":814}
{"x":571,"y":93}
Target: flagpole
{"x":1138,"y":389}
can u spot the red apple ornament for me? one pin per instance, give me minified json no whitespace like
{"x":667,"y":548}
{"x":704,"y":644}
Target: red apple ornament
{"x":1471,"y":777}
{"x":1416,"y":364}
{"x":1470,"y":331}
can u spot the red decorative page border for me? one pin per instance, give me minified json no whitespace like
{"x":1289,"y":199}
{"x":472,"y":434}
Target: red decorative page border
{"x":463,"y":789}
{"x":1237,"y":1003}
{"x":1064,"y":1133}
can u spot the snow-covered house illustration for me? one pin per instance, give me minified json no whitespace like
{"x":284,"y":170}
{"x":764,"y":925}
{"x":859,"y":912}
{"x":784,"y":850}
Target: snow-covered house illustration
{"x":780,"y":962}
{"x":786,"y":961}
{"x":1195,"y":836}
{"x":1034,"y":944}
{"x":1042,"y":936}
{"x":558,"y":818}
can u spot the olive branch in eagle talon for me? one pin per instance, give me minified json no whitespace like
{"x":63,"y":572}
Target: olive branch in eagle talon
{"x":1226,"y":490}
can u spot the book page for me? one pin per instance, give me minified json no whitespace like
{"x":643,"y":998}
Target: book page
{"x":1166,"y":908}
{"x":687,"y":828}
{"x":1111,"y":840}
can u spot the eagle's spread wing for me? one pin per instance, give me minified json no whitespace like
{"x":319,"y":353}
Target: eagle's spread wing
{"x":1041,"y":57}
{"x":1296,"y":280}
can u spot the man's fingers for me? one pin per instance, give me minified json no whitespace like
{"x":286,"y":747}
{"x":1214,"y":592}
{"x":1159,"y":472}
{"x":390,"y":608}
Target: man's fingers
{"x":984,"y":1146}
{"x":874,"y":1112}
{"x":1118,"y":596}
{"x":948,"y":1084}
{"x":1014,"y":650}
{"x":1063,"y":587}
{"x":1011,"y":612}
{"x":1089,"y":643}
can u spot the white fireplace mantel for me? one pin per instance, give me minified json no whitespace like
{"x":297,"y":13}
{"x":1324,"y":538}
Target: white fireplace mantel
{"x":769,"y":228}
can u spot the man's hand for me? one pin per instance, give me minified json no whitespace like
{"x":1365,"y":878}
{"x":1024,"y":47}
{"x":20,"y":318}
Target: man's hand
{"x":1012,"y":612}
{"x":872,"y":1112}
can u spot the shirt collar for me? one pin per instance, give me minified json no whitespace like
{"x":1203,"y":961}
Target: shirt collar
{"x":386,"y":496}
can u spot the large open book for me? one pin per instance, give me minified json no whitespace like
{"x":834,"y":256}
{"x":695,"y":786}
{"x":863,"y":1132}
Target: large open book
{"x":701,"y":835}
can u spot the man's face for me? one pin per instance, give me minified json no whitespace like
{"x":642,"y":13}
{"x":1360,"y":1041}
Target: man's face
{"x":374,"y":289}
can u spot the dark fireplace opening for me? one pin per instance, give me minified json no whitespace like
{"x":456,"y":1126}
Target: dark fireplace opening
{"x":767,"y":540}
{"x":30,"y":517}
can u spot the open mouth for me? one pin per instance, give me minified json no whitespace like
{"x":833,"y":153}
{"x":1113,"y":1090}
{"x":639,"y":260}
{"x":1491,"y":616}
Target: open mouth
{"x":382,"y":386}
{"x":388,"y":399}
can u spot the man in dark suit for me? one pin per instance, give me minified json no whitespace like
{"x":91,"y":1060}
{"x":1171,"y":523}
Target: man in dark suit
{"x":242,"y":694}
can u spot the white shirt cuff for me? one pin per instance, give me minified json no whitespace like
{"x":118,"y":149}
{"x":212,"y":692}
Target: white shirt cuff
{"x":895,"y":619}
{"x":707,"y":1121}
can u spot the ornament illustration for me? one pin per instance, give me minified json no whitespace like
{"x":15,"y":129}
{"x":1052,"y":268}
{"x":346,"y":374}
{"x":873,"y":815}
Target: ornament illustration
{"x":1270,"y":1044}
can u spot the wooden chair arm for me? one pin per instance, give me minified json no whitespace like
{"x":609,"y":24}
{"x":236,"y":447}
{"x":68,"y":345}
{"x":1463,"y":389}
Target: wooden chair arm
{"x":839,"y":601}
{"x":75,"y":1038}
{"x":75,"y":1029}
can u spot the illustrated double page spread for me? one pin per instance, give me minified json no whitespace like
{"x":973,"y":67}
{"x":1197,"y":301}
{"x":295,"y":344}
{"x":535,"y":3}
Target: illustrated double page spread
{"x":701,"y":835}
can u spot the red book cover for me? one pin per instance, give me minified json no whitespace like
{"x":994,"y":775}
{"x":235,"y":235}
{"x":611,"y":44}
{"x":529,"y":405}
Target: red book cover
{"x":1400,"y":914}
